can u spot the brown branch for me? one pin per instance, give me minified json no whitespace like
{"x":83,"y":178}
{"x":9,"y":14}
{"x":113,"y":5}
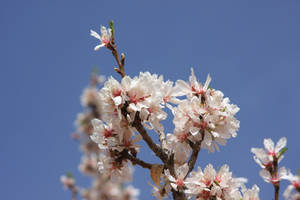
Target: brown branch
{"x":178,"y":195}
{"x":154,"y":147}
{"x":196,"y":149}
{"x":275,"y":173}
{"x":121,"y":62}
{"x":137,"y":161}
{"x":74,"y":192}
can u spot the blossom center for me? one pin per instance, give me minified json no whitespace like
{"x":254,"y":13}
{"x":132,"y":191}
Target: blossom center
{"x":108,"y":133}
{"x":217,"y":179}
{"x":203,"y":125}
{"x":117,"y":93}
{"x":296,"y":184}
{"x":179,"y":182}
{"x":272,"y":153}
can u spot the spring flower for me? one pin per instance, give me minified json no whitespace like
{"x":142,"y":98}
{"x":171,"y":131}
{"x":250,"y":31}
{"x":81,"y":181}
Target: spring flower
{"x":273,"y":178}
{"x":250,"y":194}
{"x":209,"y":184}
{"x":180,"y":172}
{"x":265,"y":157}
{"x":104,"y":38}
{"x":67,"y":181}
{"x":294,"y":184}
{"x":205,"y":113}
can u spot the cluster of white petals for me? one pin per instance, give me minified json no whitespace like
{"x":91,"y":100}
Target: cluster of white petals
{"x":103,"y":189}
{"x":108,"y":175}
{"x":294,"y":185}
{"x":205,"y":115}
{"x":212,"y":184}
{"x":250,"y":194}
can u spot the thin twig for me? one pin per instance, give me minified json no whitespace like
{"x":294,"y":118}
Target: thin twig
{"x":275,"y":173}
{"x":196,"y":149}
{"x":137,"y":161}
{"x":74,"y":192}
{"x":154,"y":147}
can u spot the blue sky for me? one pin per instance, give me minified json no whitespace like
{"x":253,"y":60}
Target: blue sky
{"x":250,"y":48}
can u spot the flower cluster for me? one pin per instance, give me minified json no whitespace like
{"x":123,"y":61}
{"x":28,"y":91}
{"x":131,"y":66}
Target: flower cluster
{"x":204,"y":115}
{"x":102,"y":187}
{"x":120,"y":114}
{"x":211,"y":184}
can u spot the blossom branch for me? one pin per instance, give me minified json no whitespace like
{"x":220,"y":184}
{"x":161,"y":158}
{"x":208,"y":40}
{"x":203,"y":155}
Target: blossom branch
{"x":154,"y":147}
{"x":113,"y":47}
{"x":196,"y":149}
{"x":137,"y":161}
{"x":74,"y":192}
{"x":277,"y":184}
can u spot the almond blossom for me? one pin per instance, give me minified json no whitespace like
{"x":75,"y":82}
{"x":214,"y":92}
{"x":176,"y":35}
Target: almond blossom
{"x":265,"y":157}
{"x":104,"y":38}
{"x":294,"y":185}
{"x":250,"y":194}
{"x":275,"y":177}
{"x":207,"y":184}
{"x":180,"y":173}
{"x":67,"y":181}
{"x":205,"y":113}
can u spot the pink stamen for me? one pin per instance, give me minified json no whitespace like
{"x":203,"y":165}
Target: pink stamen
{"x":108,"y":133}
{"x":207,"y":183}
{"x":179,"y":182}
{"x":205,"y":194}
{"x":117,"y":93}
{"x":296,"y":184}
{"x":272,"y":153}
{"x":218,"y":179}
{"x":166,"y":99}
{"x":203,"y":125}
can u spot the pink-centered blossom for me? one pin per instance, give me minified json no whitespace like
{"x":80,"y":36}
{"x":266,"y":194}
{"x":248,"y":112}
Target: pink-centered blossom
{"x":104,"y":38}
{"x":265,"y":157}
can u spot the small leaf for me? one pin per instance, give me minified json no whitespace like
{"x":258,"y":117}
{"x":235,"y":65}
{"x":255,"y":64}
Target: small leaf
{"x":111,"y":26}
{"x":282,"y":151}
{"x":298,"y":172}
{"x":155,"y":172}
{"x":69,"y":174}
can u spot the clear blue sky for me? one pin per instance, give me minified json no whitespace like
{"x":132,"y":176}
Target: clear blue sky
{"x":250,"y":48}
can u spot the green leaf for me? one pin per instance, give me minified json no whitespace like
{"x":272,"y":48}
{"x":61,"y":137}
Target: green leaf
{"x":69,"y":174}
{"x":111,"y":26}
{"x":298,"y":172}
{"x":282,"y":151}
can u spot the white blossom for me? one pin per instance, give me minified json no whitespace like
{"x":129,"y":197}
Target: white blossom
{"x":294,"y":185}
{"x":205,"y":113}
{"x":209,"y":183}
{"x":180,"y":173}
{"x":265,"y":157}
{"x":104,"y":38}
{"x":273,"y":178}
